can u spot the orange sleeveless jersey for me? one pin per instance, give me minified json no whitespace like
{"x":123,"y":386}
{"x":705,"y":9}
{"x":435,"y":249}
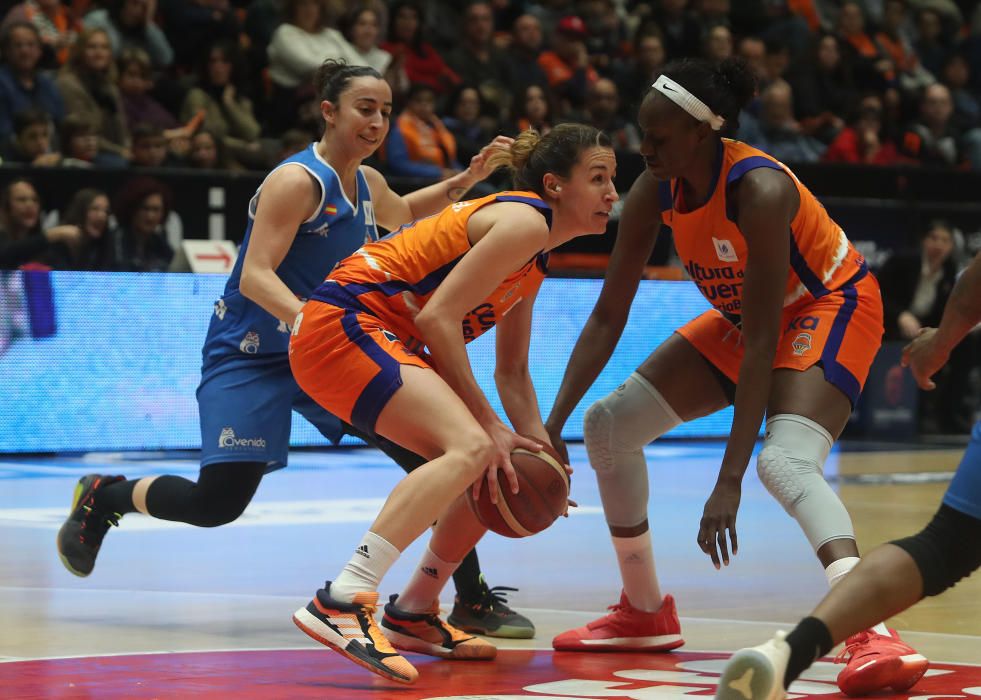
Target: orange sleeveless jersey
{"x":393,"y":278}
{"x":714,"y":251}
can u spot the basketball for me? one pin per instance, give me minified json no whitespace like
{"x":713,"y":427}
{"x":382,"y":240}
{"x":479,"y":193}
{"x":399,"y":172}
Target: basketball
{"x":543,"y":493}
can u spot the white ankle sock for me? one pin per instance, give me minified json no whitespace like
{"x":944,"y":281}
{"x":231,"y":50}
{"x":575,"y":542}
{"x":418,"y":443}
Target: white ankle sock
{"x":837,"y":570}
{"x":369,"y":564}
{"x":635,"y":556}
{"x":427,"y":581}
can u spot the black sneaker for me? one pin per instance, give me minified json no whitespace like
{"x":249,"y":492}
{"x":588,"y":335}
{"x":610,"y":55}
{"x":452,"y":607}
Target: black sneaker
{"x":80,"y":538}
{"x":351,"y":630}
{"x":491,"y":616}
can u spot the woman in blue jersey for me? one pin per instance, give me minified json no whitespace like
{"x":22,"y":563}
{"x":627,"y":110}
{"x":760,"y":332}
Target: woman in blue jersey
{"x":315,"y":208}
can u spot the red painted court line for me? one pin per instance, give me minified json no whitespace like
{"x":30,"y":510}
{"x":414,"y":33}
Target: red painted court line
{"x":269,"y":675}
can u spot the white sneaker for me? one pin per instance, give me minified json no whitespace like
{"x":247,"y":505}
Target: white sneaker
{"x":756,"y":673}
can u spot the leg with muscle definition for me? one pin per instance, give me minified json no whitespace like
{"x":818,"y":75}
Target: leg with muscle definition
{"x":673,"y":385}
{"x":477,"y":607}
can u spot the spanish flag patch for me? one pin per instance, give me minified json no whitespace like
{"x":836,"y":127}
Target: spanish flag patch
{"x":330,"y":209}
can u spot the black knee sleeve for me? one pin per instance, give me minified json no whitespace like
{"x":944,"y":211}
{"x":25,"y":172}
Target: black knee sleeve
{"x":220,"y":495}
{"x":946,"y":550}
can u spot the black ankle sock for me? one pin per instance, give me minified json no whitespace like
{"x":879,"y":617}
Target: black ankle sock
{"x":809,"y":641}
{"x":469,"y":585}
{"x":116,"y":498}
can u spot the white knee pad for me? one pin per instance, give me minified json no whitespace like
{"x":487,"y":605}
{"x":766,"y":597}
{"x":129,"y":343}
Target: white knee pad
{"x":616,"y":429}
{"x":791,"y":466}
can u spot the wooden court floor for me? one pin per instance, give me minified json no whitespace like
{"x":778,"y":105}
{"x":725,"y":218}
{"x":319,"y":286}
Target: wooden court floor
{"x":166,"y":588}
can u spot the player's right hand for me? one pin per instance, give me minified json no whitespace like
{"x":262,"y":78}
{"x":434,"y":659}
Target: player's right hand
{"x":505,"y":441}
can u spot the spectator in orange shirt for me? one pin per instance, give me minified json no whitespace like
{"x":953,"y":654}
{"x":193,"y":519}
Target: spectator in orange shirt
{"x":429,"y":147}
{"x":567,"y":65}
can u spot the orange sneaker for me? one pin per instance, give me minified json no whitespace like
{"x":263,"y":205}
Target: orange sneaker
{"x":426,"y":633}
{"x":875,"y":661}
{"x":626,"y":629}
{"x":350,"y":629}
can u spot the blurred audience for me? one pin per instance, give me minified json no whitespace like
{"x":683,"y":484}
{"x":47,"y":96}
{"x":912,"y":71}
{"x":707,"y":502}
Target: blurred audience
{"x":88,"y":210}
{"x":22,"y":238}
{"x":139,"y":241}
{"x":22,"y":84}
{"x":87,"y":83}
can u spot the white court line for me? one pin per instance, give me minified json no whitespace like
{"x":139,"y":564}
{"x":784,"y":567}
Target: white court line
{"x":553,"y":611}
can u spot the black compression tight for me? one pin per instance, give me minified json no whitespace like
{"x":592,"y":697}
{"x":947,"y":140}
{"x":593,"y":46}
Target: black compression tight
{"x":219,"y":496}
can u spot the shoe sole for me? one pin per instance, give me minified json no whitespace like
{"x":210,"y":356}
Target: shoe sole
{"x":465,"y":652}
{"x":76,"y":497}
{"x":665,"y":642}
{"x":503,"y":632}
{"x":749,"y":675}
{"x":315,"y":629}
{"x":897,"y":672}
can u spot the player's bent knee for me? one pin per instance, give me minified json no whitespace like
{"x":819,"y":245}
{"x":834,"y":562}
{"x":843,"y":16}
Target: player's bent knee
{"x":473,"y":456}
{"x":781,"y":478}
{"x":624,"y":421}
{"x":947,"y":550}
{"x":597,"y":434}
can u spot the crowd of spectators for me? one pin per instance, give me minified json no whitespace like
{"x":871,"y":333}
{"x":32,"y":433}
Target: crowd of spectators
{"x":226,"y":84}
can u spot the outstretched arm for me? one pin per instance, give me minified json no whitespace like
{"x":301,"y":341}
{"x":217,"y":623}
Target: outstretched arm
{"x":931,"y":349}
{"x":515,"y":234}
{"x":393,"y":210}
{"x":768,"y":202}
{"x":511,"y":373}
{"x":640,"y":222}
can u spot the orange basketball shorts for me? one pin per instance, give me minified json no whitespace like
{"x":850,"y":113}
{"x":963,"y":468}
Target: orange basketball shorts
{"x":841,"y":331}
{"x":347,"y":361}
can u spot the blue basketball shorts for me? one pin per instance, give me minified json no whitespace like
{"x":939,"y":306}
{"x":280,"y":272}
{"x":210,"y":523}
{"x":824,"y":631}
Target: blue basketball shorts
{"x":964,"y":492}
{"x":245,"y":407}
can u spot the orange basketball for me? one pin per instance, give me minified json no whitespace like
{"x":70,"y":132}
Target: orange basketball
{"x":543,"y":493}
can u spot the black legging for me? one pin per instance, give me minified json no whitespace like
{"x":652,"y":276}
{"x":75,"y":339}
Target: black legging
{"x":223,"y":491}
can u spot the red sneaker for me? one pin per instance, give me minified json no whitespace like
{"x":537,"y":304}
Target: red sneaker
{"x":626,"y":629}
{"x":875,"y":661}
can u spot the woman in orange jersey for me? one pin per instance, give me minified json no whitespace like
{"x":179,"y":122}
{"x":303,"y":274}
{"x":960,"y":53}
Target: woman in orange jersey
{"x":796,"y":323}
{"x":381,"y":344}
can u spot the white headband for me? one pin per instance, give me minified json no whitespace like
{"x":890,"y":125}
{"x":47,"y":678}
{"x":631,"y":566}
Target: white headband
{"x":688,"y":102}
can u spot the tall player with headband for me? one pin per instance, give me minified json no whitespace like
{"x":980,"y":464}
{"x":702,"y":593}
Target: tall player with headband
{"x":315,"y":208}
{"x":796,"y":323}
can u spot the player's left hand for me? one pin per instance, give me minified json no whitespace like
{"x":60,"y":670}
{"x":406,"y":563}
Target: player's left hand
{"x":925,"y":357}
{"x":478,"y":164}
{"x":718,"y":517}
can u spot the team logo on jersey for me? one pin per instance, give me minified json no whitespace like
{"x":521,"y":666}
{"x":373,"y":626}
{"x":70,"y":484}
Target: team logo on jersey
{"x":369,"y":213}
{"x":724,"y":250}
{"x":321,"y":230}
{"x":391,"y":337}
{"x":283,"y":327}
{"x":220,"y":309}
{"x":330,"y":209}
{"x":227,"y":439}
{"x":250,"y":343}
{"x":802,"y":343}
{"x":460,"y":206}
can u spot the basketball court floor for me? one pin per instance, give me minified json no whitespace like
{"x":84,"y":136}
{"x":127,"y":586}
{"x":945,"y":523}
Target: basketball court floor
{"x":173,"y":611}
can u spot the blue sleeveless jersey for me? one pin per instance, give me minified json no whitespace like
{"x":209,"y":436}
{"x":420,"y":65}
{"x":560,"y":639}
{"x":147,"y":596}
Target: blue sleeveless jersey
{"x":240,"y":327}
